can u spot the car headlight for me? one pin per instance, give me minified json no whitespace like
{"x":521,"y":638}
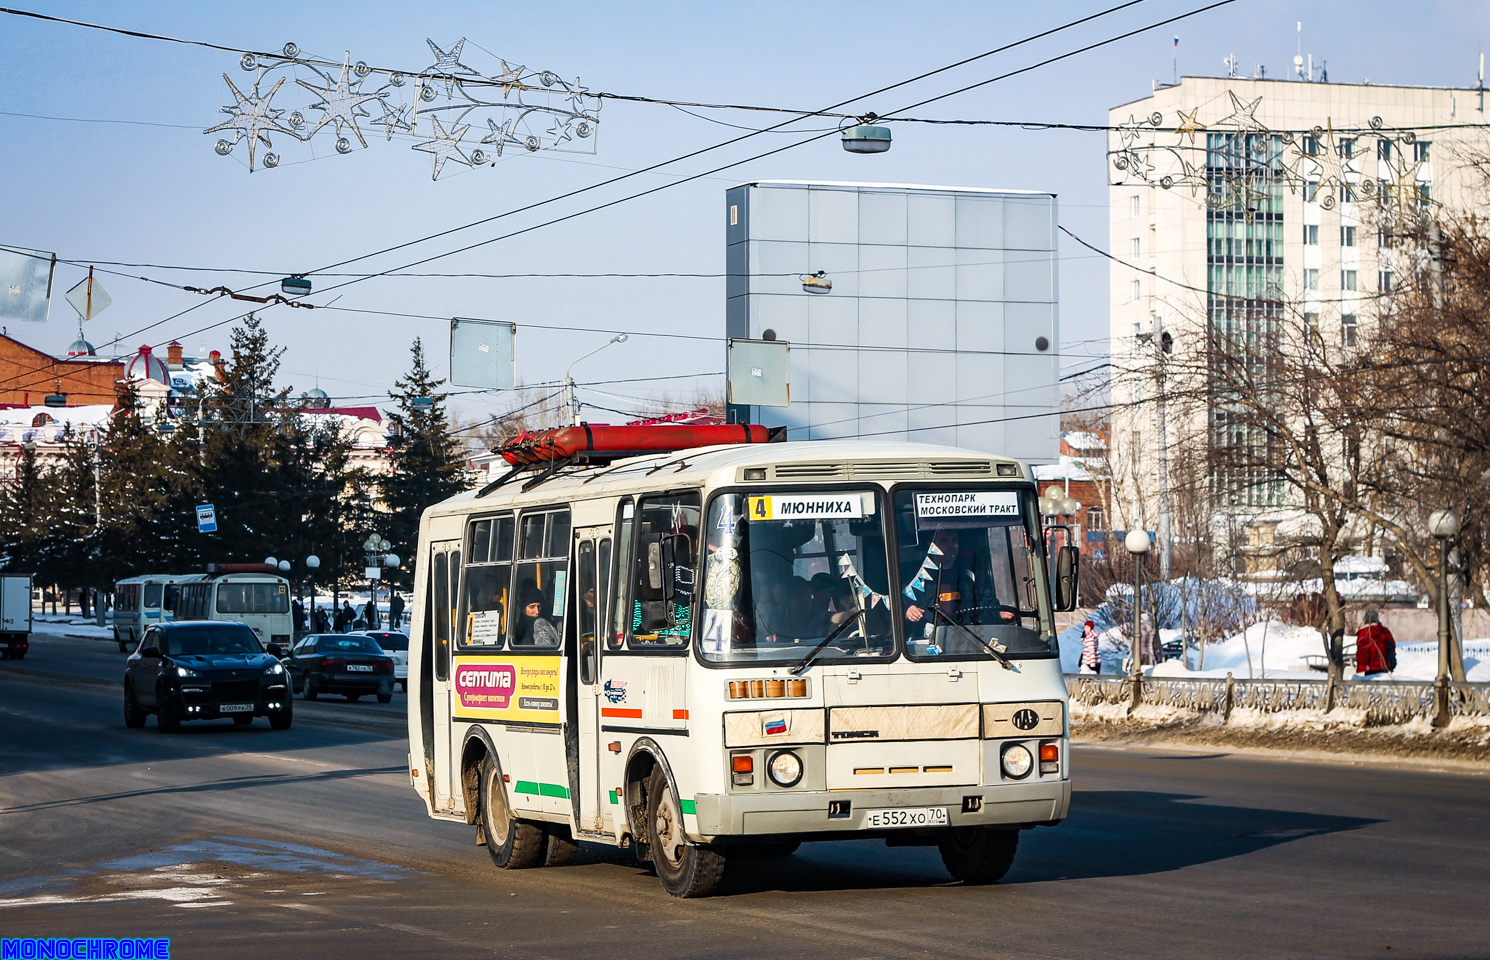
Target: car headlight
{"x":274,"y":668}
{"x":785,"y":769}
{"x":1017,"y":761}
{"x":186,"y":672}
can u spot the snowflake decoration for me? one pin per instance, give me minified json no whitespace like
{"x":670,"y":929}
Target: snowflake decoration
{"x":250,"y":118}
{"x":445,"y":146}
{"x":537,"y":110}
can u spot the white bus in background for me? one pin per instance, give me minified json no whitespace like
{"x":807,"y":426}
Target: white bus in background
{"x":248,"y":593}
{"x":733,"y":649}
{"x":141,"y":602}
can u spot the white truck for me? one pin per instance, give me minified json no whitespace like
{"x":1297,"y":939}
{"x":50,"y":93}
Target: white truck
{"x":15,"y":615}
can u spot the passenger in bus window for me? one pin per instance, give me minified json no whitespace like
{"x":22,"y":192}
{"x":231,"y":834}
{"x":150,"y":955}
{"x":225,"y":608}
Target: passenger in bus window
{"x":535,"y":630}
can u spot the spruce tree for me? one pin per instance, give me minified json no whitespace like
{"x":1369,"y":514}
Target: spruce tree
{"x":426,"y":462}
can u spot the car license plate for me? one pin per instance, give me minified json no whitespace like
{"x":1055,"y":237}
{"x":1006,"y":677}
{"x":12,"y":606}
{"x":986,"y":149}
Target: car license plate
{"x":360,"y":667}
{"x":905,"y":817}
{"x":236,"y":708}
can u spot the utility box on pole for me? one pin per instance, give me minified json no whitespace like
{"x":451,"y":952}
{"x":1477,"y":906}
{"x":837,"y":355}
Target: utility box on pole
{"x":15,"y":615}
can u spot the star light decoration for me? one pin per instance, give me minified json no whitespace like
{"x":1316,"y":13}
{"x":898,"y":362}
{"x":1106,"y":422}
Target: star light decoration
{"x":1242,"y":170}
{"x":438,"y":106}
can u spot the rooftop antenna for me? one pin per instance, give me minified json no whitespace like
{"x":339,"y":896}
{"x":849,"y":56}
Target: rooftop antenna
{"x":1231,"y":65}
{"x":1176,"y":61}
{"x":1481,"y":85}
{"x":1298,"y":51}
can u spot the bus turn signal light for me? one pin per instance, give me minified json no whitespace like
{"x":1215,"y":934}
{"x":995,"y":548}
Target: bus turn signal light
{"x":1050,"y":757}
{"x":743,"y":764}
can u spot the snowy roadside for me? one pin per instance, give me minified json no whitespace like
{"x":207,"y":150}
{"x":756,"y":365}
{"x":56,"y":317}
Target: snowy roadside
{"x":64,"y":625}
{"x":1271,"y":651}
{"x":1340,"y":731}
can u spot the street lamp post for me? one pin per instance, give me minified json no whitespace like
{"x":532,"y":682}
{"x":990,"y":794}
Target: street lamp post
{"x":1137,"y":543}
{"x":378,"y":558}
{"x":312,"y":563}
{"x":571,"y":411}
{"x":1443,"y":525}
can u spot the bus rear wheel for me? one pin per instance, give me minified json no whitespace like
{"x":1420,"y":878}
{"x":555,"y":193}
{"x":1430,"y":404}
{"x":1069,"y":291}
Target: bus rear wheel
{"x":979,"y":854}
{"x":685,"y":870}
{"x":513,"y":844}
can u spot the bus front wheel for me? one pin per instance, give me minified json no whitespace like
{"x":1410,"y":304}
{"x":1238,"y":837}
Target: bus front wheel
{"x":513,"y":844}
{"x":979,"y":854}
{"x":685,"y":870}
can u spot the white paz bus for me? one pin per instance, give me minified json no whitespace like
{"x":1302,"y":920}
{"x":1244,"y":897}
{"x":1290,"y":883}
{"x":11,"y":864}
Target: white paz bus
{"x":737,"y":647}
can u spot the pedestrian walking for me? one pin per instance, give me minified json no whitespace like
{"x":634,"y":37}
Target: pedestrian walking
{"x":298,"y":610}
{"x":1375,"y":647}
{"x":322,"y":620}
{"x":395,"y":611}
{"x":1091,"y":657}
{"x":345,"y":617}
{"x":370,"y":613}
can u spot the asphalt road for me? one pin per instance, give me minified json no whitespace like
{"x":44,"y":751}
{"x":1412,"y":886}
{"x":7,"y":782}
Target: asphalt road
{"x":245,"y":842}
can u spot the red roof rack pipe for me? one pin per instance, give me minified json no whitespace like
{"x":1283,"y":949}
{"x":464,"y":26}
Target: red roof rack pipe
{"x":221,"y":568}
{"x":605,"y":442}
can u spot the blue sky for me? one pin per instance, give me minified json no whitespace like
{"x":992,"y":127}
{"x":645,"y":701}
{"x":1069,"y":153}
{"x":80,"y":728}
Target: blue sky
{"x":158,"y":194}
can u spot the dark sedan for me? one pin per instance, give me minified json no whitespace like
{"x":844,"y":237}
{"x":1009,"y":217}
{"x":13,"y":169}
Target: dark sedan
{"x":344,"y":663}
{"x":205,"y":670}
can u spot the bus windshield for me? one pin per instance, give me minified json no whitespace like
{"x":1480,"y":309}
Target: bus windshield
{"x":252,"y":598}
{"x":967,"y":571}
{"x":784,"y":572}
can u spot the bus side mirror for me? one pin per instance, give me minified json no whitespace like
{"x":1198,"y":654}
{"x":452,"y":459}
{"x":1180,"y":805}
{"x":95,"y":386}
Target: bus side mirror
{"x":1066,"y":578}
{"x":658,"y":576}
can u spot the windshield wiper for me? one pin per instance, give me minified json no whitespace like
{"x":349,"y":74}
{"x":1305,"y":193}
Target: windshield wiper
{"x":995,"y":650}
{"x":806,"y":661}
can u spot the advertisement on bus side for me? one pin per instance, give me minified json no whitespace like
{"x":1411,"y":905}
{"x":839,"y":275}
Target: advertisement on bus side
{"x":524,"y":689}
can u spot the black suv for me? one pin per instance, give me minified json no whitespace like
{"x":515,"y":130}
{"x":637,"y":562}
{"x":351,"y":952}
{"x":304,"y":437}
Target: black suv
{"x":205,"y":670}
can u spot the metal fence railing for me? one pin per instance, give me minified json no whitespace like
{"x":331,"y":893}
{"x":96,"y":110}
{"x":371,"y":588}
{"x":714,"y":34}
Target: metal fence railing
{"x":1382,"y":702}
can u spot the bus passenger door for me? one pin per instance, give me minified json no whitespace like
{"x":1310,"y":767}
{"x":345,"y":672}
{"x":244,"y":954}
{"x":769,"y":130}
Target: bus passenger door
{"x":592,"y":549}
{"x":435,"y":689}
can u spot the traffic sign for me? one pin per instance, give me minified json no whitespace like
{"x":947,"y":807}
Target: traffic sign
{"x":206,"y":518}
{"x":88,"y":297}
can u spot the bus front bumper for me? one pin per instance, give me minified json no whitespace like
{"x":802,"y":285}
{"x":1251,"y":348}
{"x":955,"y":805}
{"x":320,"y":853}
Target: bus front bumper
{"x":817,"y":812}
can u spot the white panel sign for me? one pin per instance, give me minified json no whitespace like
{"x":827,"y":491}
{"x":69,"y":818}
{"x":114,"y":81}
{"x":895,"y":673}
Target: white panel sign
{"x":965,"y":503}
{"x":827,"y":506}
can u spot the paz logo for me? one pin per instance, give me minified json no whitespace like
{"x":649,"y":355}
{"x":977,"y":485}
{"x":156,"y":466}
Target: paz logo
{"x":1026,"y":719}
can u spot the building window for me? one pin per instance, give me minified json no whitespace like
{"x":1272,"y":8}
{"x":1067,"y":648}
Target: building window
{"x":1347,"y":193}
{"x":1425,"y":194}
{"x":1137,"y":290}
{"x":1311,"y":191}
{"x":1420,"y":151}
{"x":1133,"y":205}
{"x":1311,"y":320}
{"x":1309,"y":146}
{"x":1137,"y":246}
{"x":1347,"y":148}
{"x":1384,"y":281}
{"x":1347,"y":236}
{"x":1348,"y":329}
{"x":1347,"y":279}
{"x":1311,"y":234}
{"x":1095,"y":519}
{"x":1311,"y":279}
{"x":1384,"y":150}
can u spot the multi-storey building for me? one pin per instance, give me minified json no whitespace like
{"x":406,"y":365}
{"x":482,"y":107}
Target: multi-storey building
{"x":1235,"y":200}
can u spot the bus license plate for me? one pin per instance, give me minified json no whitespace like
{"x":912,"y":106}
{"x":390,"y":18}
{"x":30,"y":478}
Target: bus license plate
{"x":236,"y":708}
{"x":360,"y":667}
{"x":905,"y":817}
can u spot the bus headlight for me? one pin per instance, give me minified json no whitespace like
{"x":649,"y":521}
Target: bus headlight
{"x":785,"y":769}
{"x":1017,"y":761}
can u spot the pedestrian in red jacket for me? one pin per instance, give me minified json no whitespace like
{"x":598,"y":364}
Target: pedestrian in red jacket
{"x":1375,"y":647}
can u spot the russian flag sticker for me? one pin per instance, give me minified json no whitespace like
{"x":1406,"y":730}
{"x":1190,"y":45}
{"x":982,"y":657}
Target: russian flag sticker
{"x":773,"y":724}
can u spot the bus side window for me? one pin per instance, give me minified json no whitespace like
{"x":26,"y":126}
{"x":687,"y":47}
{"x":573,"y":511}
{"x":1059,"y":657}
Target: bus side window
{"x":440,"y":592}
{"x":674,"y":518}
{"x":603,"y":592}
{"x":621,"y":609}
{"x":488,"y":603}
{"x":587,"y":598}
